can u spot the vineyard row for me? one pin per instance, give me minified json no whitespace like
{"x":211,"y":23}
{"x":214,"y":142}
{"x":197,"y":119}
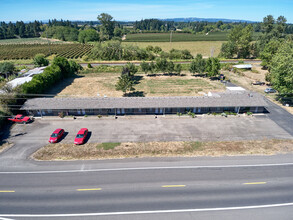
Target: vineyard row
{"x":25,"y":51}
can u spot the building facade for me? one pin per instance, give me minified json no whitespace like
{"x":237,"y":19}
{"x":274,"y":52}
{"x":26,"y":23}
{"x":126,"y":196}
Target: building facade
{"x":216,"y":103}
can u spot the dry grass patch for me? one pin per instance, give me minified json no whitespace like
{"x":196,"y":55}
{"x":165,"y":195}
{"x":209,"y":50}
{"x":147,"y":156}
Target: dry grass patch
{"x":162,"y":149}
{"x":196,"y":47}
{"x":92,"y":84}
{"x":5,"y":146}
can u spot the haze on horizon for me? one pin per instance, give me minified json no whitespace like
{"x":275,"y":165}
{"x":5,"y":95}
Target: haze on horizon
{"x":130,"y":10}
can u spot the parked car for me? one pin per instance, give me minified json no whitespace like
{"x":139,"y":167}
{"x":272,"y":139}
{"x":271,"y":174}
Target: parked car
{"x":270,"y":90}
{"x":81,"y":136}
{"x":258,"y":83}
{"x":56,"y":135}
{"x":20,"y":119}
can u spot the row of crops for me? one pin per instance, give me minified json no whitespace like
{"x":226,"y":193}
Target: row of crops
{"x":28,"y":51}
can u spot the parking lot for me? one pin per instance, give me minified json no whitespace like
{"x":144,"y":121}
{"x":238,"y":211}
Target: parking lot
{"x":147,"y":129}
{"x":29,"y":138}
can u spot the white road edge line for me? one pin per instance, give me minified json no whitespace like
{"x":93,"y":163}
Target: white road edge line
{"x":147,"y":212}
{"x":145,"y":168}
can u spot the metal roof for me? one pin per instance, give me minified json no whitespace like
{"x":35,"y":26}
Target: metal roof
{"x":241,"y":99}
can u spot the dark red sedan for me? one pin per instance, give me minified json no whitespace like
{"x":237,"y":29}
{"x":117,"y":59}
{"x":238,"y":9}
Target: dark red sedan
{"x":56,"y":135}
{"x":81,"y":136}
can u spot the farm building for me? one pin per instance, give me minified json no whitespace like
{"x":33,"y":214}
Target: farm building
{"x":238,"y":102}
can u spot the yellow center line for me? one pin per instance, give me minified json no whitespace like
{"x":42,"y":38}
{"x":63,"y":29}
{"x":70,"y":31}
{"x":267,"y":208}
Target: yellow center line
{"x":256,"y":183}
{"x":7,"y":191}
{"x":170,"y":186}
{"x":96,"y":189}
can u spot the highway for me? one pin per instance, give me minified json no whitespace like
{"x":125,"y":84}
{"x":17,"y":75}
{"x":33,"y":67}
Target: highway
{"x":113,"y":192}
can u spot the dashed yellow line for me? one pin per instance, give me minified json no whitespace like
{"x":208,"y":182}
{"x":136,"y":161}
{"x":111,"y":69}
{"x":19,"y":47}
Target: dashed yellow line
{"x":173,"y":186}
{"x":96,"y":189}
{"x":7,"y":191}
{"x":255,"y":183}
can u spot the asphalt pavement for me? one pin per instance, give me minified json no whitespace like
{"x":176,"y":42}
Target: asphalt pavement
{"x":148,"y":191}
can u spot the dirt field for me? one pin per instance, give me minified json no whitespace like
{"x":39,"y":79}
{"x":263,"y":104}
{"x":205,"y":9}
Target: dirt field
{"x":163,"y":149}
{"x":90,"y":85}
{"x":197,"y":47}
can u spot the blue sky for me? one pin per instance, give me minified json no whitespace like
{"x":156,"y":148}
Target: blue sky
{"x":255,"y":10}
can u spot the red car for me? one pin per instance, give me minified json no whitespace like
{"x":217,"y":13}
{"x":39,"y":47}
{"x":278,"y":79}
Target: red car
{"x":56,"y":135}
{"x":20,"y":119}
{"x":81,"y":136}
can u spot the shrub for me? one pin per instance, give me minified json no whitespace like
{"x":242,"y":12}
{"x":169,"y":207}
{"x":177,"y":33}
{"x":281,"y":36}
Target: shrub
{"x":89,"y":66}
{"x":249,"y":113}
{"x":40,"y":60}
{"x":61,"y":114}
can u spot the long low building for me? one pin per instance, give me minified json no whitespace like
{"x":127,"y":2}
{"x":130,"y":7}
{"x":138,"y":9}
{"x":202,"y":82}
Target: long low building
{"x":219,"y":102}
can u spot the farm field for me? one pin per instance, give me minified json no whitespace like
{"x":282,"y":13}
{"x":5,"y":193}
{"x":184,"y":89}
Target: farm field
{"x":89,"y":85}
{"x":180,"y":37}
{"x":195,"y":47}
{"x":28,"y":51}
{"x":31,"y":41}
{"x":176,"y":37}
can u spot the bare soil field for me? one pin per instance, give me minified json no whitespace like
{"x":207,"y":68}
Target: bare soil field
{"x":196,"y":47}
{"x":90,"y":85}
{"x":163,"y":149}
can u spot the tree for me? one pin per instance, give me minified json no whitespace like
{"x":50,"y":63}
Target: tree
{"x":282,"y":69}
{"x":269,"y":51}
{"x":40,"y":60}
{"x":74,"y":66}
{"x":107,"y":24}
{"x":129,"y":70}
{"x":268,"y":24}
{"x":63,"y":65}
{"x":198,"y":65}
{"x":170,"y":67}
{"x":162,"y":65}
{"x":228,"y":50}
{"x":239,"y":42}
{"x":118,"y":32}
{"x":213,"y":67}
{"x":178,"y":68}
{"x":125,"y":83}
{"x":152,"y":67}
{"x":7,"y":68}
{"x":89,"y":35}
{"x":145,"y":67}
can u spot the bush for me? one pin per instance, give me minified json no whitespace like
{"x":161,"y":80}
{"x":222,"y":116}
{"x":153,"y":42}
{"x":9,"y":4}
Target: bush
{"x":61,"y":114}
{"x":89,"y":66}
{"x":40,"y":60}
{"x":7,"y":67}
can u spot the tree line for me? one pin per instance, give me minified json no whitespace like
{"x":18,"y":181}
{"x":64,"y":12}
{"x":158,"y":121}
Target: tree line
{"x":210,"y":67}
{"x":20,"y":29}
{"x":114,"y":50}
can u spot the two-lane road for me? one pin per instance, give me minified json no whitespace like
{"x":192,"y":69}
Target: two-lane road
{"x":145,"y":191}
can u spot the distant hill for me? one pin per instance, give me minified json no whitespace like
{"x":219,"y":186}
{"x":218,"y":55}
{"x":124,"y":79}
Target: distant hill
{"x":207,"y":19}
